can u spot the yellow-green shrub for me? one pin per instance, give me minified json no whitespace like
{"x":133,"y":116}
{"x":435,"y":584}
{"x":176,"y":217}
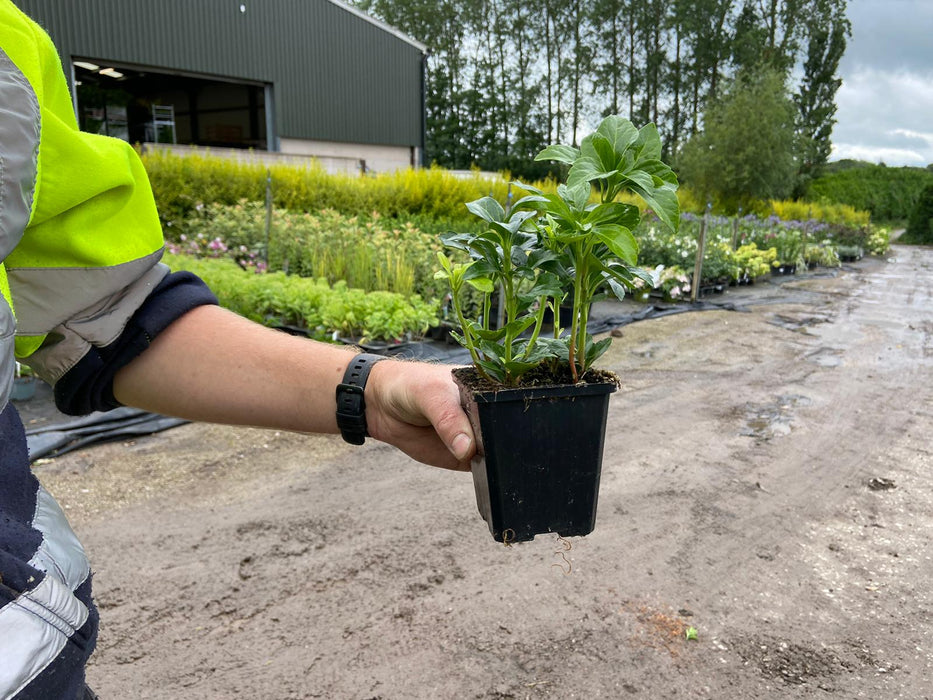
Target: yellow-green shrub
{"x":799,"y":210}
{"x":180,"y":183}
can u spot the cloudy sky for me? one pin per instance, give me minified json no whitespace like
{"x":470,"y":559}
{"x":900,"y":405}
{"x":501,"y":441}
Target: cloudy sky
{"x":886,"y":99}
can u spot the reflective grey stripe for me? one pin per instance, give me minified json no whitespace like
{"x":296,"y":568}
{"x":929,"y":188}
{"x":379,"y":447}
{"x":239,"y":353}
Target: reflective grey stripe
{"x":83,"y":306}
{"x":34,"y":629}
{"x":19,"y":151}
{"x":7,"y":363}
{"x":60,"y":555}
{"x":46,"y":297}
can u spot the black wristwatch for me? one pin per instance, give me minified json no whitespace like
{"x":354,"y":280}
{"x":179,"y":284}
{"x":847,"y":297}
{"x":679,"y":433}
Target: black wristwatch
{"x":351,"y":408}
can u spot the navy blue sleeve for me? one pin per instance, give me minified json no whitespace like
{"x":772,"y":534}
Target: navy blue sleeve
{"x":88,"y":386}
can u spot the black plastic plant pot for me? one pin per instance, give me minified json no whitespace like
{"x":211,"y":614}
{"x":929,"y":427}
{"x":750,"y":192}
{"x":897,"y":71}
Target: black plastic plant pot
{"x":539,"y":457}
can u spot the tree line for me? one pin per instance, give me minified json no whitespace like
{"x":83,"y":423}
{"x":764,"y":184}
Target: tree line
{"x":507,"y":77}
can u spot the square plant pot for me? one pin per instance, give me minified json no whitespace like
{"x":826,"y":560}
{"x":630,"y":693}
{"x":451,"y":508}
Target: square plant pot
{"x":24,"y":388}
{"x":539,"y":456}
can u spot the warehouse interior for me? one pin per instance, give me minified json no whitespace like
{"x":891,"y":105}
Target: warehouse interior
{"x":146,"y":105}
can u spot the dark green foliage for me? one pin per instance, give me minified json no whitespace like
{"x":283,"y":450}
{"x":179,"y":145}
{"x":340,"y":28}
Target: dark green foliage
{"x":890,"y":194}
{"x":745,"y":150}
{"x":920,"y":225}
{"x":826,"y":43}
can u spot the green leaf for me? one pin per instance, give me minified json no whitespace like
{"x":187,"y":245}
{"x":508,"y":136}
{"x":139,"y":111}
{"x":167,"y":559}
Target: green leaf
{"x":605,"y":153}
{"x":575,"y":195}
{"x":556,"y":347}
{"x":558,"y":208}
{"x":517,"y":327}
{"x":532,"y":202}
{"x":493,"y":336}
{"x":540,"y":256}
{"x":483,"y":284}
{"x":663,"y":201}
{"x":526,"y":187}
{"x":479,"y":268}
{"x":620,"y":241}
{"x":547,"y":284}
{"x":659,"y":171}
{"x":584,"y":170}
{"x":620,"y":132}
{"x":520,"y":216}
{"x":518,"y":367}
{"x":562,"y":154}
{"x":614,"y":213}
{"x":487,"y":209}
{"x":493,"y":369}
{"x":594,"y":350}
{"x":648,"y":144}
{"x":618,"y":290}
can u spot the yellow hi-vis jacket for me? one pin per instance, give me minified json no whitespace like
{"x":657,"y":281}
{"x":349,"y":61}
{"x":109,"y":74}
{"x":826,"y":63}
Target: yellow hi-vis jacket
{"x":80,"y":238}
{"x":80,"y":244}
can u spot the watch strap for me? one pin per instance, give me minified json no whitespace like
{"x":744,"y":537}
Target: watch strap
{"x":351,"y":406}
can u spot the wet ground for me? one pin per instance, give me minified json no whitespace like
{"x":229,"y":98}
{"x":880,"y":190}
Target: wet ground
{"x":766,"y":486}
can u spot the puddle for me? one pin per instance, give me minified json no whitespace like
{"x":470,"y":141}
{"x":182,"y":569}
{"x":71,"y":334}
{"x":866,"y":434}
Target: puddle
{"x":772,"y":419}
{"x":797,"y":324}
{"x":826,"y":357}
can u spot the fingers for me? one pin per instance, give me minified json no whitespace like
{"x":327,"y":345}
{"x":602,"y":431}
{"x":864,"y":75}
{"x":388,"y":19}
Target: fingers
{"x":423,"y":445}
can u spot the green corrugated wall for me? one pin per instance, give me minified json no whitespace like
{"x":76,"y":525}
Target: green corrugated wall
{"x":335,"y":75}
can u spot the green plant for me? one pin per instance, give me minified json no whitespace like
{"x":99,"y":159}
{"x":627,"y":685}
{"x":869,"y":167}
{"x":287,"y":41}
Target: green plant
{"x":824,"y":253}
{"x":920,"y":224}
{"x":554,"y":246}
{"x":753,"y":262}
{"x":323,"y":310}
{"x":369,"y":252}
{"x":879,"y":240}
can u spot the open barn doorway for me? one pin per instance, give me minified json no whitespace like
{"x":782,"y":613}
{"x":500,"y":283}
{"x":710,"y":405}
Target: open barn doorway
{"x":146,"y":105}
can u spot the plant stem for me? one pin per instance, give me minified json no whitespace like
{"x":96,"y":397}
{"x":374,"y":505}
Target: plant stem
{"x":577,"y":294}
{"x":539,"y":320}
{"x":468,"y":335}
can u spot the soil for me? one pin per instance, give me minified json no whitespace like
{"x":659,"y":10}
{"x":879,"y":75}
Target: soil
{"x":766,"y":488}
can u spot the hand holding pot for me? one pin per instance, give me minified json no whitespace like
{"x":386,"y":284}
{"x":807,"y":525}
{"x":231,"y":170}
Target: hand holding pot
{"x":415,"y":406}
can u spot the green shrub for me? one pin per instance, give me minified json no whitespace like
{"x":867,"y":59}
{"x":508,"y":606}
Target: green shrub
{"x":180,"y":183}
{"x":890,"y":194}
{"x":325,"y":311}
{"x":920,"y":224}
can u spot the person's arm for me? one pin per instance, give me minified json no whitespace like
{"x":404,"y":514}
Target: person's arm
{"x":212,"y":365}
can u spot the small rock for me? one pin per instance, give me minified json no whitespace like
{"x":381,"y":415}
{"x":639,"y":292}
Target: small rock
{"x":879,"y":483}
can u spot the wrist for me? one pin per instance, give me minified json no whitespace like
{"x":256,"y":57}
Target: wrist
{"x":351,"y":398}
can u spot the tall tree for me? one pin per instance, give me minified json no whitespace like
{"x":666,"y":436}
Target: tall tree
{"x":828,"y":30}
{"x":746,"y":147}
{"x":505,"y":77}
{"x":783,"y":23}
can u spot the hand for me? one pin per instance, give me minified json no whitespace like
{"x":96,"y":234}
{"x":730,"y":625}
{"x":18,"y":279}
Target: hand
{"x":415,"y":406}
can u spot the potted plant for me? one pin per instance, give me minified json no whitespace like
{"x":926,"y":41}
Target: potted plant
{"x":24,"y":383}
{"x":537,"y":403}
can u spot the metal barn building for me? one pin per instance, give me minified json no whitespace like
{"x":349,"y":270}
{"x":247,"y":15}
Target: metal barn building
{"x":301,"y":77}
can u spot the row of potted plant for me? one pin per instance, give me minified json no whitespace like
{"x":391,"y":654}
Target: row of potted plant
{"x":377,"y":253}
{"x":312,"y":305}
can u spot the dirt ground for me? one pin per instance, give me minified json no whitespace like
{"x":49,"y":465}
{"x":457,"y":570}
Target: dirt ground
{"x":766,"y":482}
